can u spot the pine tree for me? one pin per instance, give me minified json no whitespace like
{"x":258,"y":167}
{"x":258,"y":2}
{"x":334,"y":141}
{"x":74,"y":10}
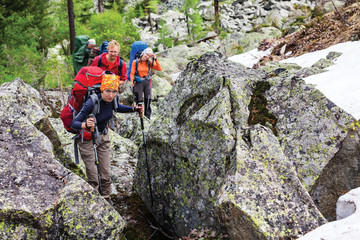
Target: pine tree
{"x":193,"y":19}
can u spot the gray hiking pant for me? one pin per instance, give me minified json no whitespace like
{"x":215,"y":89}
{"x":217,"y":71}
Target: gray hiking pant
{"x":141,"y":88}
{"x":87,"y":153}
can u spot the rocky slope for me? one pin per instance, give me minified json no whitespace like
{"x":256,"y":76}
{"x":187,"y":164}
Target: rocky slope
{"x":334,"y":27}
{"x":228,"y":139}
{"x":227,"y":145}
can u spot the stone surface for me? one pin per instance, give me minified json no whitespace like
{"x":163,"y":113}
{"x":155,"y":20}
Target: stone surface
{"x":200,"y":142}
{"x":39,"y":197}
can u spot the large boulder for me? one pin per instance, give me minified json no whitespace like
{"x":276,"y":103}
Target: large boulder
{"x":319,"y":138}
{"x":39,"y":197}
{"x":265,"y":191}
{"x":211,"y":164}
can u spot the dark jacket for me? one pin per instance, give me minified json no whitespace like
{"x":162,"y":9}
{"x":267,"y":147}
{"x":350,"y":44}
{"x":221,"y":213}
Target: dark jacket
{"x":103,"y":117}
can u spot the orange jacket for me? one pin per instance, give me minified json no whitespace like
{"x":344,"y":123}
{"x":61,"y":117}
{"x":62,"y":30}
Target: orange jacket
{"x":143,"y":68}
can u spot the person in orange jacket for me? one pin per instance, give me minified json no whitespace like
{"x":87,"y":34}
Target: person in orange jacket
{"x":140,"y":77}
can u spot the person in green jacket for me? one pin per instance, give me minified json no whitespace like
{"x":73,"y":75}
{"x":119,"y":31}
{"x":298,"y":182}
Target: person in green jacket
{"x":81,"y":57}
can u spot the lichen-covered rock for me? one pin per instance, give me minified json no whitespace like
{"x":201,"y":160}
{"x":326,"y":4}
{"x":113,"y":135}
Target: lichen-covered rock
{"x":310,"y":127}
{"x":265,"y":190}
{"x":339,"y":176}
{"x":195,"y":162}
{"x":63,"y":142}
{"x":55,"y":100}
{"x":40,"y":198}
{"x":25,"y":99}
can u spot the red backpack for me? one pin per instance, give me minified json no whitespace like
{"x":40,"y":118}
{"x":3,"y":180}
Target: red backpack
{"x":87,"y":84}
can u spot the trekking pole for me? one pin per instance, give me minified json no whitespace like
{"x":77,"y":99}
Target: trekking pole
{"x":94,"y":133}
{"x":146,"y":159}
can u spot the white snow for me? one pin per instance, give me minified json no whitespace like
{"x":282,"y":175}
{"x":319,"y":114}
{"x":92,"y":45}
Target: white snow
{"x":347,"y":228}
{"x":341,"y":83}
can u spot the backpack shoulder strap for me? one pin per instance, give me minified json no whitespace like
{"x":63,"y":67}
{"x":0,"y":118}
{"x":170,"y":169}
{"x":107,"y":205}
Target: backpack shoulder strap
{"x":99,"y":62}
{"x":96,"y":103}
{"x":136,"y":67}
{"x":120,"y":66}
{"x":149,"y":72}
{"x":116,"y":103}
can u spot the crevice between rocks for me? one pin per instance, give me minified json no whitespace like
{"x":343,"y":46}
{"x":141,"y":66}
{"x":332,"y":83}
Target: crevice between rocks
{"x":45,"y":127}
{"x":259,"y":113}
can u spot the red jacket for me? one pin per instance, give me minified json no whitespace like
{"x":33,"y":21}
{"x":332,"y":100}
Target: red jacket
{"x":114,"y":69}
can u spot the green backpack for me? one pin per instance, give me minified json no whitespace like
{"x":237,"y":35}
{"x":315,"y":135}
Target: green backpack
{"x":80,"y":41}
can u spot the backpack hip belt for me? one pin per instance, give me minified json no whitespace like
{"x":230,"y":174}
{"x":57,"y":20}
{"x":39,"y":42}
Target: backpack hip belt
{"x":138,"y":79}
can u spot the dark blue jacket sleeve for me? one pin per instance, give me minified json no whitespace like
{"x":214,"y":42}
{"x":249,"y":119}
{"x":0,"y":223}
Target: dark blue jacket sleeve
{"x":82,"y":115}
{"x":124,"y":109}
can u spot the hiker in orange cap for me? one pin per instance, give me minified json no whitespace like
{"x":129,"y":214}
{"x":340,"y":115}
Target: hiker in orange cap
{"x":96,"y":154}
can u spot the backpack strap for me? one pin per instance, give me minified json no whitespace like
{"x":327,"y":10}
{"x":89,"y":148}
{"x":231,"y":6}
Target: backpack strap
{"x":136,"y":68}
{"x":120,"y":66}
{"x":96,"y":103}
{"x":99,"y":62}
{"x":96,"y":110}
{"x":115,"y":108}
{"x":76,"y":152}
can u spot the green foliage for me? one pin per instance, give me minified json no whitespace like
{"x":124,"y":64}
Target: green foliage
{"x":23,"y":62}
{"x":164,"y":35}
{"x":111,"y":25}
{"x":258,"y":27}
{"x":299,"y":21}
{"x":28,"y":29}
{"x":36,"y":70}
{"x":120,"y":5}
{"x":223,"y":34}
{"x":57,"y":73}
{"x":239,"y":49}
{"x":318,"y":11}
{"x":153,"y":5}
{"x":25,"y":23}
{"x":259,"y":113}
{"x":194,"y":19}
{"x":138,"y":10}
{"x":83,"y":10}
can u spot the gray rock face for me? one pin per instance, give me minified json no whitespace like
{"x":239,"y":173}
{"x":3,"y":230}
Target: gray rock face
{"x":339,"y":176}
{"x":39,"y":198}
{"x":265,"y":190}
{"x":310,"y":127}
{"x":209,"y":167}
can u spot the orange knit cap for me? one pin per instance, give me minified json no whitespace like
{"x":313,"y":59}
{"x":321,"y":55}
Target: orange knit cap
{"x":110,"y":81}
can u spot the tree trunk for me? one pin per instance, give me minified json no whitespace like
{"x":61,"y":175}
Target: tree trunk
{"x":217,"y":17}
{"x":100,"y":6}
{"x":71,"y":24}
{"x":149,"y":20}
{"x":187,"y":22}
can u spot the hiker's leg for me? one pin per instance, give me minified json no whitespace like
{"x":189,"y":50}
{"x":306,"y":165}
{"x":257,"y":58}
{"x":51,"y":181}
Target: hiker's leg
{"x":147,"y":98}
{"x":147,"y":107}
{"x":86,"y":149}
{"x":103,"y":150}
{"x":138,"y":92}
